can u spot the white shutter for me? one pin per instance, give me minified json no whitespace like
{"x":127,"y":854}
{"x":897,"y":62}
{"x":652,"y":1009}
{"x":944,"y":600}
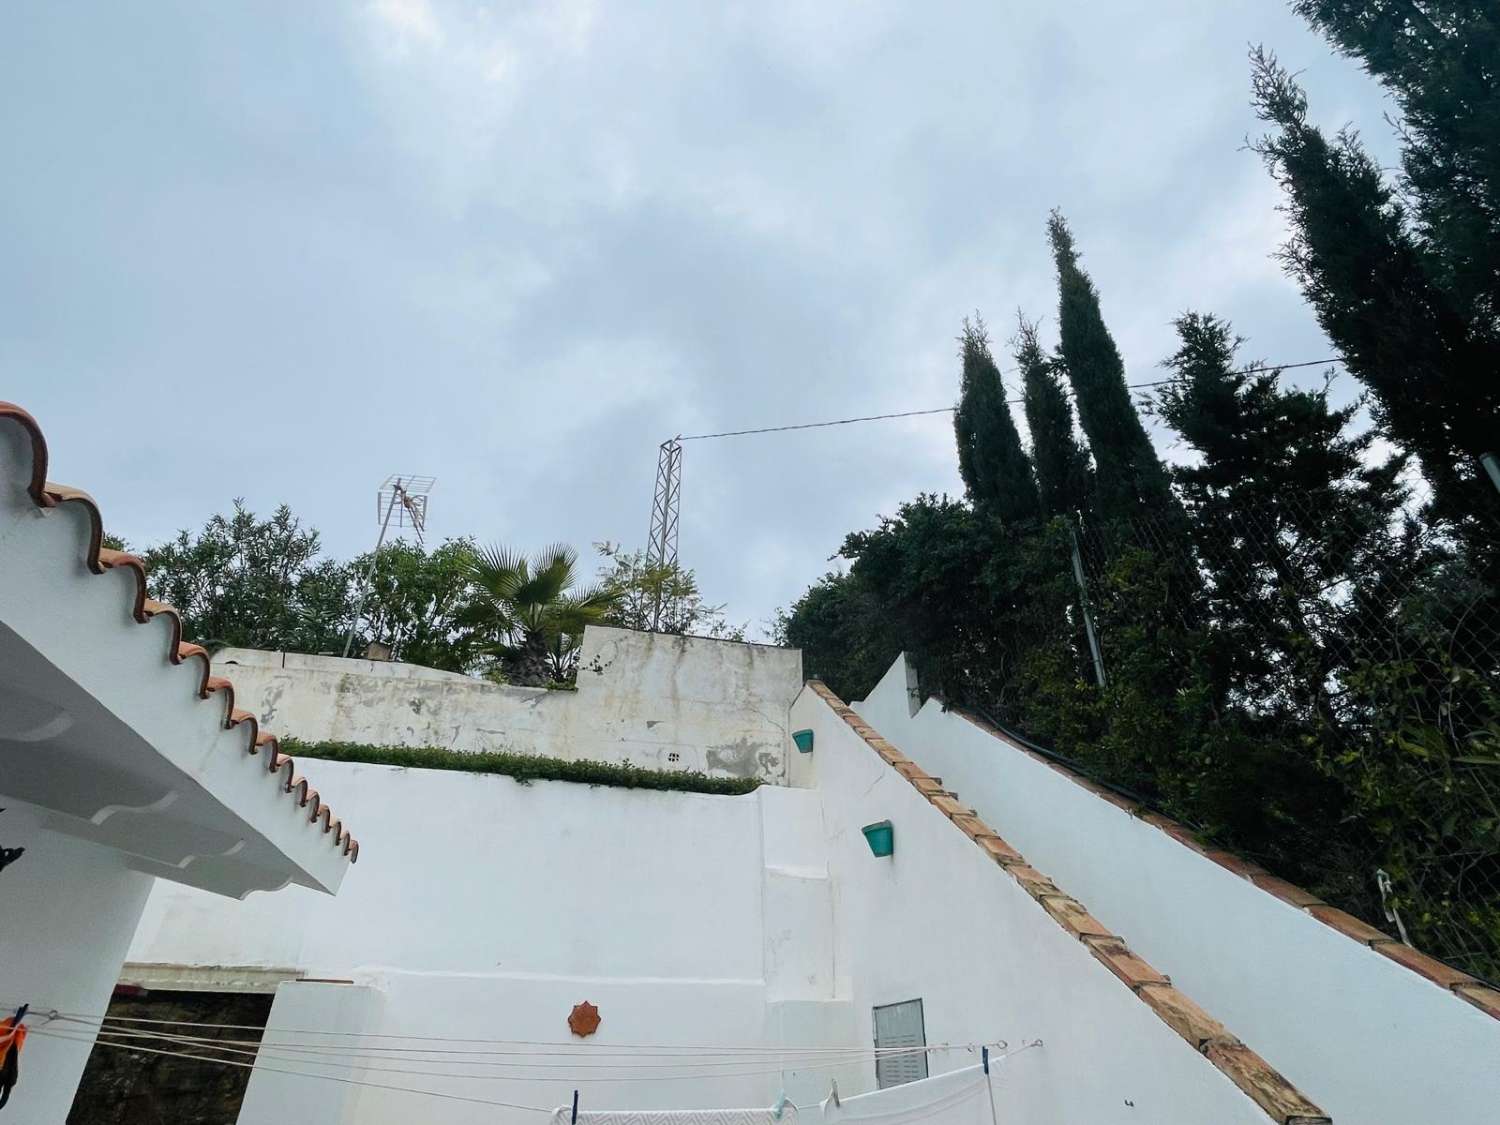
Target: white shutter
{"x":900,"y":1025}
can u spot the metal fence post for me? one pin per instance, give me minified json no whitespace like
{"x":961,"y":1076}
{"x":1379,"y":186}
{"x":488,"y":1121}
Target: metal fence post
{"x":1083,"y":602}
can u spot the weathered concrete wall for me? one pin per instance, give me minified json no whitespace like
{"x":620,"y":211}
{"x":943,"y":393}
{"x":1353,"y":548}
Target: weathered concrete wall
{"x":658,"y":701}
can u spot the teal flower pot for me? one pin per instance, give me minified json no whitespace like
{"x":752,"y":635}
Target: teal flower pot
{"x":804,"y":741}
{"x":881,"y":837}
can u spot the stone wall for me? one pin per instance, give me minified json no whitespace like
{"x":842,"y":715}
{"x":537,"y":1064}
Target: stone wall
{"x":653,"y":700}
{"x":123,"y":1087}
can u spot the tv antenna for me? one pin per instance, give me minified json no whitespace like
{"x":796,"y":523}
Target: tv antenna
{"x":402,"y":497}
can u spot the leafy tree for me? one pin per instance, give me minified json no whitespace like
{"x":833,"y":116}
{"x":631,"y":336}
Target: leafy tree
{"x":844,"y":640}
{"x":1129,"y":474}
{"x":253,"y":583}
{"x":414,"y":600}
{"x":1062,"y":464}
{"x":1407,"y":303}
{"x":524,"y":618}
{"x":997,"y":474}
{"x":638,"y":588}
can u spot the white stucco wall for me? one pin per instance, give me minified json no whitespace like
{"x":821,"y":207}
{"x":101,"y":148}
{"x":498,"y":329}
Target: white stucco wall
{"x":718,"y":706}
{"x":68,"y":912}
{"x":1365,"y":1038}
{"x":940,"y":921}
{"x":486,"y":909}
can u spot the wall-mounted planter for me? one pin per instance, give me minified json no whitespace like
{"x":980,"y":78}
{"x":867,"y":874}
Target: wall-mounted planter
{"x":881,"y":837}
{"x":804,"y":741}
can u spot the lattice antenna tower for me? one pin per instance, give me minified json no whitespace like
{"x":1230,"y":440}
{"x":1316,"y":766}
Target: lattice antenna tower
{"x":661,"y":545}
{"x":401,"y":498}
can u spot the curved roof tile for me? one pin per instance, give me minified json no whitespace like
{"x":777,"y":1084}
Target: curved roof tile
{"x":99,"y":558}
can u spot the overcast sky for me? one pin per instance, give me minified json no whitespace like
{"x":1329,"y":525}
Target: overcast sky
{"x":281,"y":250}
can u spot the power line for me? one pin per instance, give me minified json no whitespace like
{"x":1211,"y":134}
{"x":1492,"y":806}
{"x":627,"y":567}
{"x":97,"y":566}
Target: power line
{"x":1278,"y":367}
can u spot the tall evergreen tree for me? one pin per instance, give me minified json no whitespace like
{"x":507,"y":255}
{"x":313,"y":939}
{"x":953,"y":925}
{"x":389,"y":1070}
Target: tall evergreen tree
{"x":997,"y":473}
{"x":1438,"y":60}
{"x":1062,"y":465}
{"x":1425,"y":345}
{"x":1283,"y":506}
{"x":1129,"y":474}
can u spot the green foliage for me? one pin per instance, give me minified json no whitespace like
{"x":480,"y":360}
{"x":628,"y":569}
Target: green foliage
{"x":1062,"y":464}
{"x":414,"y":600}
{"x":1437,"y":59}
{"x":1405,"y":305}
{"x":638,"y":589}
{"x":1128,"y":472}
{"x":524,"y":620}
{"x":996,"y":471}
{"x":524,"y":767}
{"x":253,"y":583}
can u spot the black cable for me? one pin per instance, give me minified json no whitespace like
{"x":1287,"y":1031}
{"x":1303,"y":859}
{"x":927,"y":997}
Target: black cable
{"x":949,"y":409}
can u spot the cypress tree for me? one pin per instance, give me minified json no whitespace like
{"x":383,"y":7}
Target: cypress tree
{"x":1129,"y":475}
{"x":1438,"y":58}
{"x":1062,"y":465}
{"x":1428,"y":351}
{"x":996,"y":471}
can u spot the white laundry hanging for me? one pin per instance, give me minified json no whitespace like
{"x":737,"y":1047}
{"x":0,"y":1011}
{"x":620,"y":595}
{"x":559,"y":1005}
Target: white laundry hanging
{"x":959,"y":1097}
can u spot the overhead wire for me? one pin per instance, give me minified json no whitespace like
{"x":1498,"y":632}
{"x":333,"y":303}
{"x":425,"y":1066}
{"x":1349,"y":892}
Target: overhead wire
{"x":544,"y":1047}
{"x":787,"y":1060}
{"x":1277,"y":367}
{"x":573,"y":1075}
{"x":299,"y":1074}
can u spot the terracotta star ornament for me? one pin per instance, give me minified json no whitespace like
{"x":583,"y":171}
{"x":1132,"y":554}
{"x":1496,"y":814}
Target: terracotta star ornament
{"x":583,"y":1021}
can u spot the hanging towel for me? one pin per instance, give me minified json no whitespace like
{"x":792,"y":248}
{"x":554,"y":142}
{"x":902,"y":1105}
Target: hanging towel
{"x":760,"y":1116}
{"x":960,"y":1097}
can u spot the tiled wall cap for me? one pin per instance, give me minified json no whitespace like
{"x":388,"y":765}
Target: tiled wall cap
{"x":1268,"y":1089}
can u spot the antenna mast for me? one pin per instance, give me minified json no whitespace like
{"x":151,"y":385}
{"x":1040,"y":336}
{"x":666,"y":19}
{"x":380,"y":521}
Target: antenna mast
{"x":404,"y":498}
{"x":661,"y":546}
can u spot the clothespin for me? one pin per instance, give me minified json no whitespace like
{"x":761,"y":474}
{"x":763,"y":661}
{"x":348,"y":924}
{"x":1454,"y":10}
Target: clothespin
{"x":834,"y":1093}
{"x":984,"y":1057}
{"x":780,"y":1107}
{"x":575,"y":1107}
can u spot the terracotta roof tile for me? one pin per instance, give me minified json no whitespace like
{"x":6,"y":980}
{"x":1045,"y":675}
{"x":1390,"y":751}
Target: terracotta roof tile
{"x":1183,"y":1016}
{"x":1072,"y":916}
{"x":1483,"y":997}
{"x":1418,"y":962}
{"x":1244,"y":1067}
{"x":1119,"y":959}
{"x":1268,"y":1089}
{"x":99,"y":558}
{"x":1347,"y":924}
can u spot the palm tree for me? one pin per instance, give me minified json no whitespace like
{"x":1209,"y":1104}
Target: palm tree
{"x":524,"y":616}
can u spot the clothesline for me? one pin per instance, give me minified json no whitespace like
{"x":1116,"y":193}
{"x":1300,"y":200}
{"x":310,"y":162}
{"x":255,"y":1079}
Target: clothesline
{"x":539,"y":1048}
{"x":336,"y":1058}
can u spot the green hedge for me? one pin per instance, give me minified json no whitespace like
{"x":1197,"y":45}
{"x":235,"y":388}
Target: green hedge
{"x":523,"y":767}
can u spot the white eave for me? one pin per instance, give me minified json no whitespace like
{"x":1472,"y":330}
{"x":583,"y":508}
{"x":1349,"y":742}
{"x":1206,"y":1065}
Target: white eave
{"x":114,"y":729}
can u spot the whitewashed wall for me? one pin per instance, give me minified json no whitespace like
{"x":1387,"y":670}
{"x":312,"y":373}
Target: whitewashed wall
{"x":942,"y":922}
{"x":718,"y":706}
{"x":67,"y":915}
{"x":484,"y":908}
{"x":1368,"y":1040}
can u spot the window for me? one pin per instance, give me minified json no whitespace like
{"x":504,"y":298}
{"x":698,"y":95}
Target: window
{"x":900,"y":1025}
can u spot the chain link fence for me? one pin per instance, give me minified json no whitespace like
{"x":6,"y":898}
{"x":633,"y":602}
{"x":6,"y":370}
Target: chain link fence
{"x":1354,"y":663}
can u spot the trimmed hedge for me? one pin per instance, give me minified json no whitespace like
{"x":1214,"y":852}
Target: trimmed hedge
{"x":523,"y":767}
